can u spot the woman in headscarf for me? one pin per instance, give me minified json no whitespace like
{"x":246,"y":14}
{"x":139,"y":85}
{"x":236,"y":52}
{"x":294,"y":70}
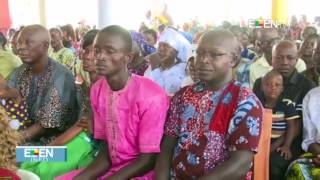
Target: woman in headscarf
{"x":167,"y":65}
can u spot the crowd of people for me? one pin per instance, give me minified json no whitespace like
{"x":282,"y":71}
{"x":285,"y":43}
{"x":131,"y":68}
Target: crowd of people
{"x":161,"y":103}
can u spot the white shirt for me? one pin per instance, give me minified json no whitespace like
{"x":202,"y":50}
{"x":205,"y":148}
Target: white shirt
{"x":169,"y":79}
{"x":311,"y":118}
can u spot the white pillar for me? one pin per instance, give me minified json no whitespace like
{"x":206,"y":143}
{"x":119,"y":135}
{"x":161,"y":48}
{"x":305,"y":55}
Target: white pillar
{"x":105,"y":13}
{"x":42,"y":12}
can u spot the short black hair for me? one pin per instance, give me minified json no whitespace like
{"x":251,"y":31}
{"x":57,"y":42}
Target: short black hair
{"x":88,"y":38}
{"x":271,"y":73}
{"x":3,"y":40}
{"x":152,"y":32}
{"x":121,"y":32}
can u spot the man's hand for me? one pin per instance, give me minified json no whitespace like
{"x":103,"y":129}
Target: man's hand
{"x":316,"y":161}
{"x":285,"y":152}
{"x":84,"y":123}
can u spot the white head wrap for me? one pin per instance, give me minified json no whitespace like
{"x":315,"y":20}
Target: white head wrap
{"x":176,"y":41}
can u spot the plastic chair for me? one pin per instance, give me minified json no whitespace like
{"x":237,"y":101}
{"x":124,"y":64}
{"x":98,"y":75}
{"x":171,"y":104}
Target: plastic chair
{"x":261,"y":159}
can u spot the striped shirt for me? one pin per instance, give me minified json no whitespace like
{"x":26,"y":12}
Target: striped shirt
{"x":284,"y":111}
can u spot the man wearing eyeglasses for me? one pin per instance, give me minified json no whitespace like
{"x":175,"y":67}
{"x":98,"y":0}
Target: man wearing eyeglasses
{"x":213,"y":127}
{"x":267,"y":38}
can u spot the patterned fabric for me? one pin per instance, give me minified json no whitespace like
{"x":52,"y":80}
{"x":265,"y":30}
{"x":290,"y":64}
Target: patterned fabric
{"x":17,"y":110}
{"x":248,"y":54}
{"x":303,"y":169}
{"x":189,"y":118}
{"x":64,"y":56}
{"x":144,"y":46}
{"x":50,"y":96}
{"x":242,"y":72}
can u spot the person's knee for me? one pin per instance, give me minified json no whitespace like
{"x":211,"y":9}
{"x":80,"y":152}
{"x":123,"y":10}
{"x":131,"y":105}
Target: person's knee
{"x":278,"y":166}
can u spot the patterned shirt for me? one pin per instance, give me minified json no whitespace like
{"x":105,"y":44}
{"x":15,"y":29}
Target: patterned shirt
{"x":50,"y":96}
{"x":64,"y":56}
{"x":190,"y":115}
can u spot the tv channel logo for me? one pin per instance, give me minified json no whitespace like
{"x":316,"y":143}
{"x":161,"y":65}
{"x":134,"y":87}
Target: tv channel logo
{"x":41,"y":153}
{"x":263,"y":23}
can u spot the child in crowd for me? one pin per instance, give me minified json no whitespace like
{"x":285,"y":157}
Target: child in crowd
{"x":284,"y":114}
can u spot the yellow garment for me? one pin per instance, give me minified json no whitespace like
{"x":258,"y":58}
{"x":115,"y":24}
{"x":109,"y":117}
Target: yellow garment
{"x":8,"y":62}
{"x":261,"y":66}
{"x":80,"y":73}
{"x":64,"y":56}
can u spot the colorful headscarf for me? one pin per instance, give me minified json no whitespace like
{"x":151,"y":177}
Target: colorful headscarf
{"x":176,"y":41}
{"x":141,"y":41}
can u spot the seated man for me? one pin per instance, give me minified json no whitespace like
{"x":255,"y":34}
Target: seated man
{"x":47,"y":86}
{"x":213,"y":127}
{"x":167,"y":65}
{"x":267,"y":38}
{"x":81,"y":147}
{"x":129,"y":113}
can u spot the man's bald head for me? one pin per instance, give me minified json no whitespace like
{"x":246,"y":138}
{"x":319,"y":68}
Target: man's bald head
{"x":33,"y":44}
{"x":222,"y":38}
{"x":37,"y":30}
{"x":285,"y":44}
{"x":285,"y":57}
